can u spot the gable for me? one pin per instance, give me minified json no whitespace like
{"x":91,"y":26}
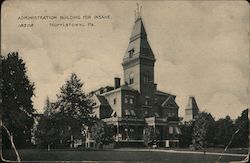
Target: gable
{"x":169,"y":103}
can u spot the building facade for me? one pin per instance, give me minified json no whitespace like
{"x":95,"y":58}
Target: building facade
{"x":137,"y":104}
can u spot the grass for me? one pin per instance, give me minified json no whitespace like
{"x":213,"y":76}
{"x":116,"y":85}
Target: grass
{"x":110,"y":155}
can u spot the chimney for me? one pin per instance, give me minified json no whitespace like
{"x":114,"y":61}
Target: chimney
{"x":117,"y":83}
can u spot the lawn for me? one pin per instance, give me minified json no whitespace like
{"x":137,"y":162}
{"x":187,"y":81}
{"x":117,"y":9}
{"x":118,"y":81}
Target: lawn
{"x":111,"y":155}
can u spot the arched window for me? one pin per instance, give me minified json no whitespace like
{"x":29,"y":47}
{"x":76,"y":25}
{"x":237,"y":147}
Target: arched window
{"x":131,"y":78}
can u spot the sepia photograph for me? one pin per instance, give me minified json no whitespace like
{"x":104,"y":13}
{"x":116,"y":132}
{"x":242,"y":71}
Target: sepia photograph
{"x":125,"y":81}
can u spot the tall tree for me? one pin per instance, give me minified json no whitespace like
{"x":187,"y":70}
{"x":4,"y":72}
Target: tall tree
{"x":17,"y":92}
{"x":203,"y":131}
{"x":72,"y":101}
{"x":73,"y":108}
{"x":241,"y":138}
{"x":224,"y":131}
{"x":47,"y":130}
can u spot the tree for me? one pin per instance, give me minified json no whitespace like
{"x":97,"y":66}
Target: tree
{"x":102,"y":133}
{"x":17,"y":91}
{"x":203,"y":131}
{"x":47,"y":130}
{"x":149,"y":135}
{"x":48,"y":110}
{"x":72,"y":101}
{"x":186,"y":134}
{"x":241,"y":130}
{"x":72,"y":109}
{"x":224,"y":131}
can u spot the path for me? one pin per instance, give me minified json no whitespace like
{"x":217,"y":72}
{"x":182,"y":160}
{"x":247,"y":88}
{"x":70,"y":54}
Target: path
{"x":175,"y":151}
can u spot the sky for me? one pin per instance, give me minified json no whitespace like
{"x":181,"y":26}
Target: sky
{"x":202,"y":48}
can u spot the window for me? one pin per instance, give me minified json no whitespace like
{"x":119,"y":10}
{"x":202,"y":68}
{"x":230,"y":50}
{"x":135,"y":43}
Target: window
{"x":171,"y":130}
{"x":146,"y":102}
{"x":178,"y":131}
{"x":171,"y":113}
{"x":133,"y":112}
{"x":114,"y":100}
{"x":127,"y":112}
{"x":131,"y":52}
{"x":146,"y":77}
{"x":131,"y":78}
{"x":156,"y":100}
{"x":126,"y":100}
{"x":131,"y":100}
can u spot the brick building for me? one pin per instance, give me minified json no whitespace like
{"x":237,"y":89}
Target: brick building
{"x":138,"y":103}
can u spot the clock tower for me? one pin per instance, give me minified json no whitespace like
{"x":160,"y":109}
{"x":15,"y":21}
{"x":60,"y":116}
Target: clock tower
{"x":138,"y":63}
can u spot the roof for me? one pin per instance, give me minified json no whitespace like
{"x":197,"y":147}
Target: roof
{"x":102,"y":100}
{"x":138,"y":29}
{"x":166,"y":101}
{"x":102,"y":90}
{"x":169,"y":102}
{"x":192,"y":104}
{"x":138,"y":45}
{"x":157,"y":92}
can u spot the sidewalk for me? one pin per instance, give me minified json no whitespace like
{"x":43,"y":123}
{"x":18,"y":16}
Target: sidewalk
{"x":176,"y":151}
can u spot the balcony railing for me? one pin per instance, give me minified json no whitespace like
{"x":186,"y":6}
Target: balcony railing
{"x":115,"y":119}
{"x":147,"y":120}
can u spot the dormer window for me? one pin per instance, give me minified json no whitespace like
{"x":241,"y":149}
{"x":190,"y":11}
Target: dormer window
{"x":131,"y":52}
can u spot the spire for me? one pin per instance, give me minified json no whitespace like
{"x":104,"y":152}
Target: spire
{"x":138,"y":30}
{"x":192,"y":109}
{"x":192,"y":104}
{"x":138,"y":44}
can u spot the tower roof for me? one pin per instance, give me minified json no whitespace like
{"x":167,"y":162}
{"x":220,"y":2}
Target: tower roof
{"x":192,"y":105}
{"x":138,"y":44}
{"x":138,"y":30}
